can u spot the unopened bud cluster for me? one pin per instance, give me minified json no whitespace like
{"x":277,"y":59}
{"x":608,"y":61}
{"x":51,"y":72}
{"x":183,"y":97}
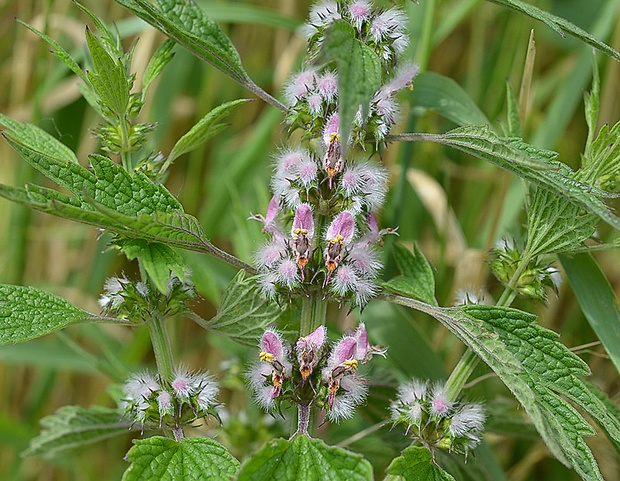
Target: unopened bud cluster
{"x":313,"y":373}
{"x":128,"y":299}
{"x":432,"y":418}
{"x":533,"y":281}
{"x":153,"y":402}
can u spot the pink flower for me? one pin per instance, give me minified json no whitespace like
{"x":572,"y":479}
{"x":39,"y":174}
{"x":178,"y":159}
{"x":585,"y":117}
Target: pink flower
{"x":441,"y":406}
{"x":267,"y":377}
{"x":299,"y":85}
{"x":339,"y":234}
{"x":308,"y":348}
{"x":302,"y":233}
{"x":327,"y":86}
{"x":333,"y":156}
{"x":360,"y":12}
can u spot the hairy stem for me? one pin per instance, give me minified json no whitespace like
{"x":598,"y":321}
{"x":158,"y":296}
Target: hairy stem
{"x":313,"y":313}
{"x":161,"y":346}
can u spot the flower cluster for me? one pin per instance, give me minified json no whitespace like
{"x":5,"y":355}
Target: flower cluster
{"x":431,"y":417}
{"x":533,"y":281}
{"x":152,"y":401}
{"x":137,"y":300}
{"x":309,"y":373}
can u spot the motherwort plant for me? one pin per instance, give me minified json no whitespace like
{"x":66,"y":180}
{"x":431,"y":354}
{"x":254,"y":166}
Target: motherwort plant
{"x":323,"y":255}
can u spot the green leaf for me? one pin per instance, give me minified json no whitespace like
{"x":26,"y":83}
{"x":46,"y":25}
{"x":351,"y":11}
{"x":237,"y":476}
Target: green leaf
{"x":416,"y":464}
{"x":559,"y":24}
{"x":73,"y":427}
{"x":186,"y":24}
{"x":417,"y":278}
{"x":536,"y":368}
{"x":109,"y":79}
{"x":555,"y":225}
{"x":157,"y":259}
{"x":159,"y":60}
{"x":191,"y":459}
{"x":244,"y":312}
{"x":59,"y":52}
{"x":597,"y":300}
{"x":304,"y":459}
{"x":204,"y":129}
{"x":34,"y":138}
{"x":26,"y":313}
{"x":447,"y":98}
{"x":537,"y":166}
{"x":512,"y":113}
{"x":359,"y":73}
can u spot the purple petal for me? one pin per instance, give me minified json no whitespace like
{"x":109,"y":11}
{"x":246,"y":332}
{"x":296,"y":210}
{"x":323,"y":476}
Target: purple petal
{"x":271,"y":343}
{"x":345,"y":350}
{"x":361,"y":338}
{"x":303,"y":220}
{"x":272,"y":210}
{"x":343,"y":225}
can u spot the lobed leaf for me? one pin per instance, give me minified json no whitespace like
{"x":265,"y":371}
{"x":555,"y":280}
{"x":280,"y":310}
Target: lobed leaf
{"x":559,"y":24}
{"x":244,"y":312}
{"x":417,"y":463}
{"x":304,"y":459}
{"x":72,"y":427}
{"x":191,"y":459}
{"x":26,"y":313}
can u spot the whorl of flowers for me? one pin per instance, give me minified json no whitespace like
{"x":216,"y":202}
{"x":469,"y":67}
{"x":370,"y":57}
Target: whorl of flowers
{"x":150,"y":401}
{"x":128,"y":299}
{"x":432,"y":418}
{"x":310,"y":373}
{"x":534,"y":281}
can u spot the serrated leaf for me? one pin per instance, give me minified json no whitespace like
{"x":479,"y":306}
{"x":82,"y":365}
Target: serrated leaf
{"x":559,"y":24}
{"x":447,"y":98}
{"x":35,"y":138}
{"x":555,"y":225}
{"x":244,"y":312}
{"x":304,"y":459}
{"x":159,"y":60}
{"x":59,"y":52}
{"x":72,"y":427}
{"x":535,"y":367}
{"x":416,"y":279}
{"x":205,"y":128}
{"x":416,"y":464}
{"x":109,"y":79}
{"x":157,"y":259}
{"x":187,"y":25}
{"x":597,"y":300}
{"x":359,"y":73}
{"x":537,"y":166}
{"x":26,"y":313}
{"x":191,"y":459}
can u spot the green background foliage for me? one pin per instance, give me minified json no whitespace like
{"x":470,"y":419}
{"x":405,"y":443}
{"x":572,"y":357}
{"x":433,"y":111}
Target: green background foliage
{"x":452,"y":206}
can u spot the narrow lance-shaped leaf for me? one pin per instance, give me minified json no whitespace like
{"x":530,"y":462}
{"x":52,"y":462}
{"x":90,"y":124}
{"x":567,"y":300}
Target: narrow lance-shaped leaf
{"x":191,"y":459}
{"x":189,"y":26}
{"x":205,"y":128}
{"x":537,"y":166}
{"x":359,"y":73}
{"x":27,"y":313}
{"x":304,"y":459}
{"x":73,"y":427}
{"x":559,"y":24}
